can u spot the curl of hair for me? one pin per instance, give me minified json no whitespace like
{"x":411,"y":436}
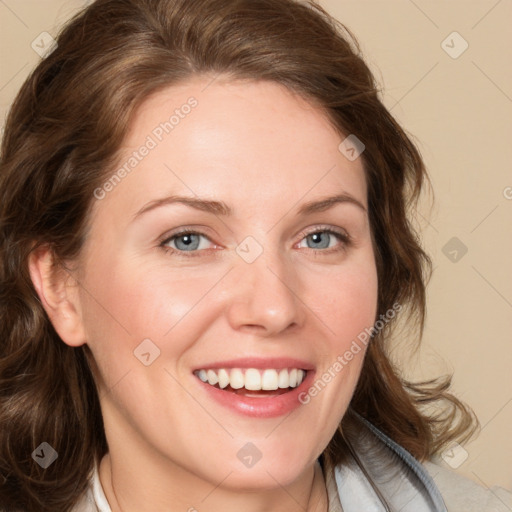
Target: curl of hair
{"x":62,"y":139}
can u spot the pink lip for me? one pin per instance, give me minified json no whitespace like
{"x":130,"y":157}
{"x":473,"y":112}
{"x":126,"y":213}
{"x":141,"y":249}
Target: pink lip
{"x":264,"y":406}
{"x":258,"y":362}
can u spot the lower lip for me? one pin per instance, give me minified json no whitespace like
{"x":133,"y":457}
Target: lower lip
{"x":260,"y":407}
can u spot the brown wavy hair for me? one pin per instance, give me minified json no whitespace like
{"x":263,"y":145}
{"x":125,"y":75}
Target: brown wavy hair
{"x":62,"y":139}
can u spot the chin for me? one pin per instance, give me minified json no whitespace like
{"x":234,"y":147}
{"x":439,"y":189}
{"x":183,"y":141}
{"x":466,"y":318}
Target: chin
{"x":276,"y":467}
{"x":264,"y":478}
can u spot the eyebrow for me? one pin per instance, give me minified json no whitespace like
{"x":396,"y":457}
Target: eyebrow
{"x":320,"y":205}
{"x":221,"y":208}
{"x":205,"y":205}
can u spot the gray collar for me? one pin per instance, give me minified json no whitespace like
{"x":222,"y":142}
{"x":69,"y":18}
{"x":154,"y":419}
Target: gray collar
{"x":379,"y":476}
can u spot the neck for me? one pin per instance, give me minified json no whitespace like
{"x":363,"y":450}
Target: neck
{"x":130,"y":490}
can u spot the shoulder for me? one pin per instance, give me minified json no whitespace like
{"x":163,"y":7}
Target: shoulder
{"x":409,"y":485}
{"x":461,"y":494}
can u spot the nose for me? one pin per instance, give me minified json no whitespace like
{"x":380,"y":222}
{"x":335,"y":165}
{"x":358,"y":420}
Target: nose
{"x":264,"y":296}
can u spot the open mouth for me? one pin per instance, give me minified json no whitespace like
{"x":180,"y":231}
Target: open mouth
{"x":253,"y":381}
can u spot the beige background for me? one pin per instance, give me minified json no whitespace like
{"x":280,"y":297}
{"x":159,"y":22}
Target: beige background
{"x":460,"y":112}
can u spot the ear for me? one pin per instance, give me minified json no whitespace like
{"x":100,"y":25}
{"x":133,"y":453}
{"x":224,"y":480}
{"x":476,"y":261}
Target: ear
{"x":58,"y":291}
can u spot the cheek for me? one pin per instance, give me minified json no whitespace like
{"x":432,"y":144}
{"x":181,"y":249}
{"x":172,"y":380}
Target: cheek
{"x":347,"y":307}
{"x":347,"y":299}
{"x":126,"y":303}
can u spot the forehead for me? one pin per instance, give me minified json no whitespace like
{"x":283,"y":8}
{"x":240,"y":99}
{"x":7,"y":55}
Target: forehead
{"x":246,"y":142}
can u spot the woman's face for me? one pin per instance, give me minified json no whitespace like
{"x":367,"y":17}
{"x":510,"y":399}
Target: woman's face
{"x":252,"y":289}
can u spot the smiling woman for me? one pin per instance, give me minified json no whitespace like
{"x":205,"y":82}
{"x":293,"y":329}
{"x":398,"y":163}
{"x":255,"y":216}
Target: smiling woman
{"x":205,"y":246}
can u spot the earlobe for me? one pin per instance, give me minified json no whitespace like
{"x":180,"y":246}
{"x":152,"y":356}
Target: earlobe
{"x":58,"y":292}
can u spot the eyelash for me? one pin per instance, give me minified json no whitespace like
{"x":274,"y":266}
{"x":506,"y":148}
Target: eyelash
{"x":341,"y":235}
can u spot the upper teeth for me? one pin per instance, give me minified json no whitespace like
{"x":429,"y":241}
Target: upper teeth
{"x":252,"y":378}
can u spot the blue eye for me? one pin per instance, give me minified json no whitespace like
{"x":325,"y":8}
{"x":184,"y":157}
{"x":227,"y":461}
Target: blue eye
{"x":186,"y":241}
{"x":322,"y":239}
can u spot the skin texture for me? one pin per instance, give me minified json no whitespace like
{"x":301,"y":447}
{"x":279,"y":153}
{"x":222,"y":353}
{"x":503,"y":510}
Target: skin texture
{"x":264,"y":152}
